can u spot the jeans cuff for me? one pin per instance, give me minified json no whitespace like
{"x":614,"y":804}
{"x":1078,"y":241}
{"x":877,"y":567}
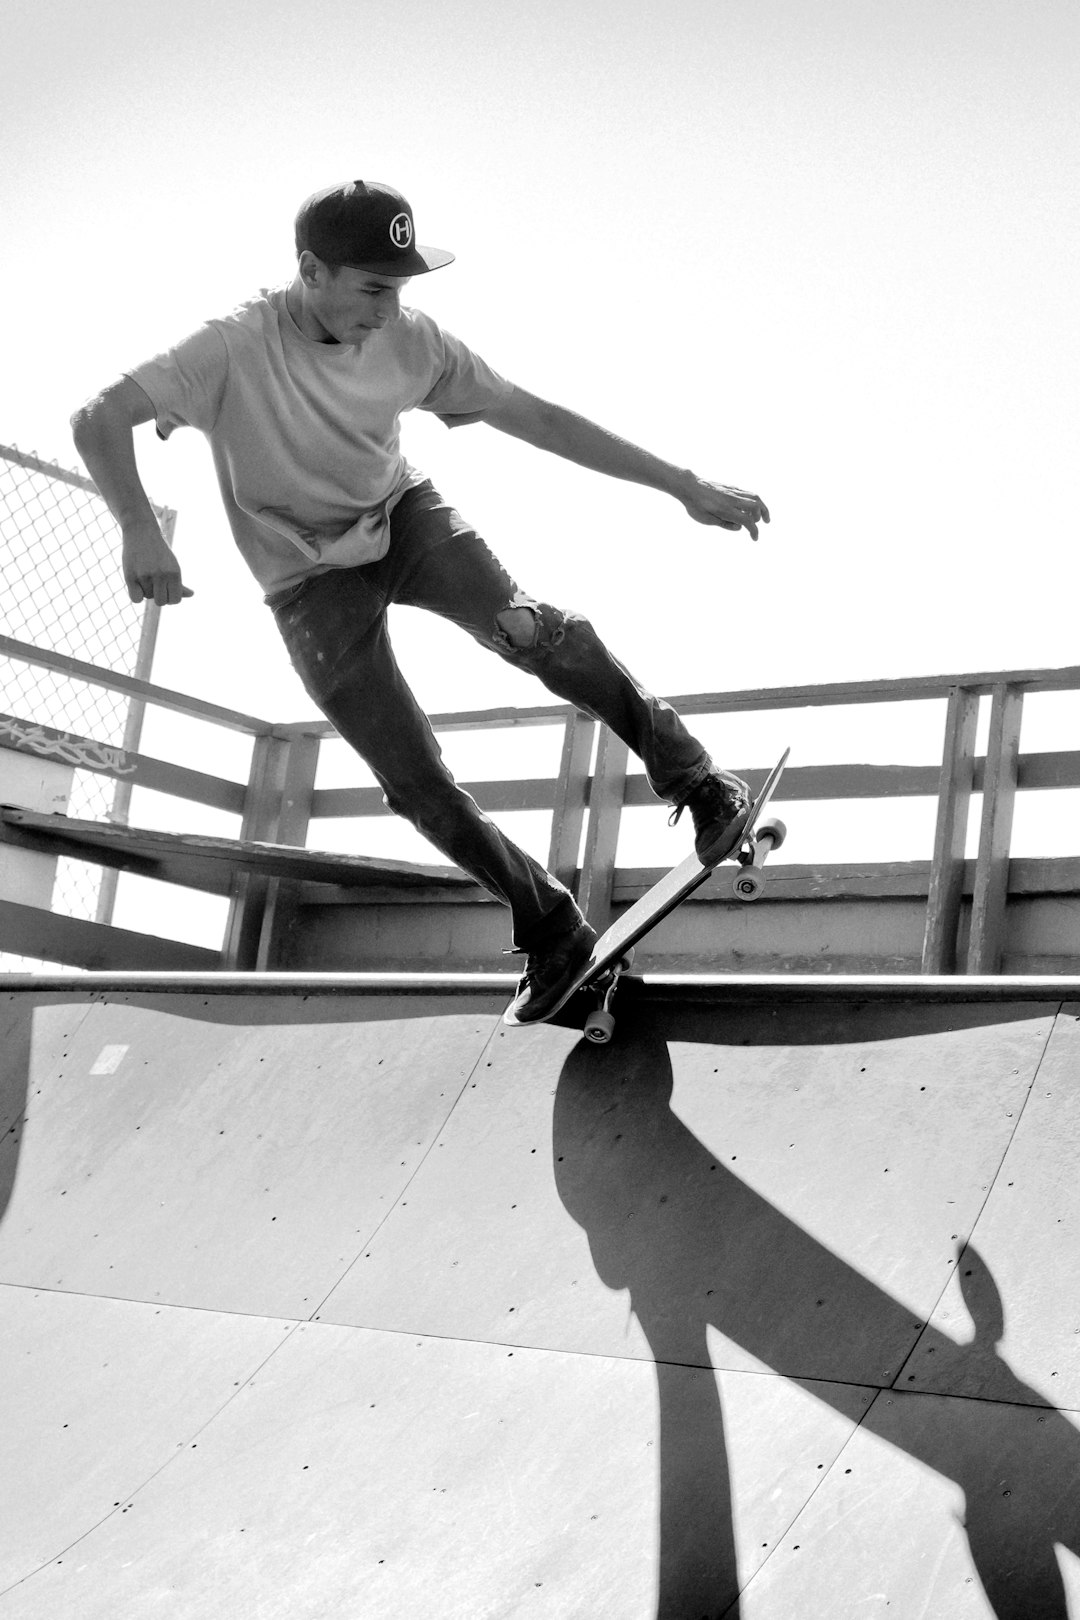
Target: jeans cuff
{"x":701,"y":771}
{"x":566,"y":916}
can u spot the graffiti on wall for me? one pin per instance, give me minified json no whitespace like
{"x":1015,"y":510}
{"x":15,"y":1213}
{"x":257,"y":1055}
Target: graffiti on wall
{"x":79,"y":751}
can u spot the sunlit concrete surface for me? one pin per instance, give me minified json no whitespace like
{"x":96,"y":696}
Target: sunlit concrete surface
{"x":359,"y":1306}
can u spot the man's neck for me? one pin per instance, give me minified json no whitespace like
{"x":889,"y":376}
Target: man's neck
{"x":296,"y":305}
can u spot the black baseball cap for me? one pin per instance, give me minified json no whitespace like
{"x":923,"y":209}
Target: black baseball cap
{"x":366,"y":225}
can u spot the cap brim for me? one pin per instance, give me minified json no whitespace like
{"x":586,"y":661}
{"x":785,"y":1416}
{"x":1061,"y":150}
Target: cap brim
{"x":416,"y":262}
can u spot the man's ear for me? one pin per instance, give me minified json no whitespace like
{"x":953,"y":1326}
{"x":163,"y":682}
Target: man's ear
{"x":312,"y":270}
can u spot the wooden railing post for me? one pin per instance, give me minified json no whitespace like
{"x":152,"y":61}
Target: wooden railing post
{"x":605,"y":812}
{"x":954,"y":804}
{"x":988,"y":905}
{"x":571,"y":797}
{"x":277,"y":811}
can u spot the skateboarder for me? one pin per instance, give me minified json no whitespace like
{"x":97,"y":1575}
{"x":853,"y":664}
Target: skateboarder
{"x":299,"y":392}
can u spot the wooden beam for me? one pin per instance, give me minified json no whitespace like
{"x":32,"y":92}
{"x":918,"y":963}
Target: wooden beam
{"x":950,"y":839}
{"x":857,"y":880}
{"x":195,"y":861}
{"x":31,"y":931}
{"x":802,"y":783}
{"x":109,"y":681}
{"x":532,"y":793}
{"x":601,"y":843}
{"x":139,"y":770}
{"x":903,"y":690}
{"x":278,"y":799}
{"x":571,"y":798}
{"x":986,"y":942}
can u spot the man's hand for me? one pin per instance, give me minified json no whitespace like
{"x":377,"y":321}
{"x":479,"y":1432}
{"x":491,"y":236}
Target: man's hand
{"x":151,"y":572}
{"x":727,"y":508}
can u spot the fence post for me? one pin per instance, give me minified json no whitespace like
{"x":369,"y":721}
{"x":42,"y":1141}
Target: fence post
{"x":144,"y":663}
{"x":277,"y":811}
{"x":571,"y":797}
{"x":987,"y":939}
{"x":605,"y":812}
{"x":954,"y":804}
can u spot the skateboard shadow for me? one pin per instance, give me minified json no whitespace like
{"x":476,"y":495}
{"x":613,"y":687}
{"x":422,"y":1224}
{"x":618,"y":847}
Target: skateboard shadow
{"x":697,"y":1247}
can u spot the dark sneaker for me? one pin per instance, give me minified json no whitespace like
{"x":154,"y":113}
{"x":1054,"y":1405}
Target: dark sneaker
{"x":719,"y":805}
{"x":550,"y":971}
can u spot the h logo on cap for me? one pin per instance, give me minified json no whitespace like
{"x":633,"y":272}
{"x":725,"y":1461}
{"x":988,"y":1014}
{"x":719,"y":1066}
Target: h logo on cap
{"x":401,"y":230}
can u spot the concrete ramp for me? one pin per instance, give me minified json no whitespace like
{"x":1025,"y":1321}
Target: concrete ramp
{"x":335,"y":1300}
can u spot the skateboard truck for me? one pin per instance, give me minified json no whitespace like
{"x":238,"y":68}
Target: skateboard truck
{"x":749,"y":882}
{"x":600,"y":1024}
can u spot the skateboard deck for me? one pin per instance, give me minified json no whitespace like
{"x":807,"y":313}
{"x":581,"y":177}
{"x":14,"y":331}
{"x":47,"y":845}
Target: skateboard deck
{"x":613,"y":951}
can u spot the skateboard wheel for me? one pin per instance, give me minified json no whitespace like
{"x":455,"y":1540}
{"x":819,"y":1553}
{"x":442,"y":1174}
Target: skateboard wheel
{"x":626,"y":961}
{"x":773,"y":830}
{"x":749,"y":883}
{"x":599,"y":1027}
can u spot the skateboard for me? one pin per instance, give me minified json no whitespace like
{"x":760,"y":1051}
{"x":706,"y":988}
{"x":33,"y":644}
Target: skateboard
{"x":613,"y":952}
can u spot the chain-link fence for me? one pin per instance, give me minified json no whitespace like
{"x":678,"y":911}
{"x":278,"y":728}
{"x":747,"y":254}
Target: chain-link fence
{"x":61,"y":588}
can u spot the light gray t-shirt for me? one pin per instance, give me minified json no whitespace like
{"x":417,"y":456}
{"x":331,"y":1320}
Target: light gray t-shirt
{"x":305,"y":435}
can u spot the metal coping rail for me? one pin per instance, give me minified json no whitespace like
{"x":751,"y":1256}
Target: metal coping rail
{"x":697,"y":986}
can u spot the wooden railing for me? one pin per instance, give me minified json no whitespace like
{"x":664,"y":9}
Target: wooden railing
{"x":279,"y":802}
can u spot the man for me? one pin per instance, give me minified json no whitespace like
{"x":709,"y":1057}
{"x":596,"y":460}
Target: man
{"x":300,"y":392}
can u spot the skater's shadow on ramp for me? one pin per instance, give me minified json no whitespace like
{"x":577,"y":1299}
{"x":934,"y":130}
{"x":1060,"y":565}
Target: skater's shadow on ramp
{"x":697,"y":1247}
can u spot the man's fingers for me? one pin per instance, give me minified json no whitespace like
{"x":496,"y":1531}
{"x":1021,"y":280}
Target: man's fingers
{"x":152,"y":588}
{"x":168,"y":592}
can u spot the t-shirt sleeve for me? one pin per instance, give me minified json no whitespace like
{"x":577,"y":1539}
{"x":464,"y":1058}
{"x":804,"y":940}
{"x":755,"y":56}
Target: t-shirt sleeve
{"x":466,"y":386}
{"x":185,"y":384}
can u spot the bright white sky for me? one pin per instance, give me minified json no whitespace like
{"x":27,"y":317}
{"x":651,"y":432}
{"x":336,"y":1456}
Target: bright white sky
{"x":824,"y":249}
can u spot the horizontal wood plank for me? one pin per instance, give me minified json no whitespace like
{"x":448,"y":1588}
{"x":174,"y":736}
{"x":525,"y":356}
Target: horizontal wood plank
{"x":857,"y":881}
{"x":47,"y":937}
{"x":207,"y":864}
{"x":801,"y":784}
{"x":75,"y":669}
{"x":138,"y":770}
{"x":535,"y":793}
{"x":900,"y":690}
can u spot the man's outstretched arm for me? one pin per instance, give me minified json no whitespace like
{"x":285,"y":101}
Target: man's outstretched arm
{"x":564,"y":433}
{"x":102,"y":430}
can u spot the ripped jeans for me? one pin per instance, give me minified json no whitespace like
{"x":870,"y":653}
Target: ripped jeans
{"x":334,"y":626}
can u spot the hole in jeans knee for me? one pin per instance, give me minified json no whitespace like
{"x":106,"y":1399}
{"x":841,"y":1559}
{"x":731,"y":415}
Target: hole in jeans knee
{"x":518,"y":627}
{"x":527,"y":626}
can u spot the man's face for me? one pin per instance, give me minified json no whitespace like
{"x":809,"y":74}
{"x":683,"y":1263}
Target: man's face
{"x":349,"y":304}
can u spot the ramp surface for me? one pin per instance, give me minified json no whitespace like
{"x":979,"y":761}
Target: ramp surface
{"x":359,"y":1306}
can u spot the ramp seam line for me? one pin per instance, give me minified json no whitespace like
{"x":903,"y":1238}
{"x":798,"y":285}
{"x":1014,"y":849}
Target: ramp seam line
{"x":181,"y":1447}
{"x":894,"y":1387}
{"x":420,"y":1163}
{"x":990,"y":1186}
{"x":297,"y":1325}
